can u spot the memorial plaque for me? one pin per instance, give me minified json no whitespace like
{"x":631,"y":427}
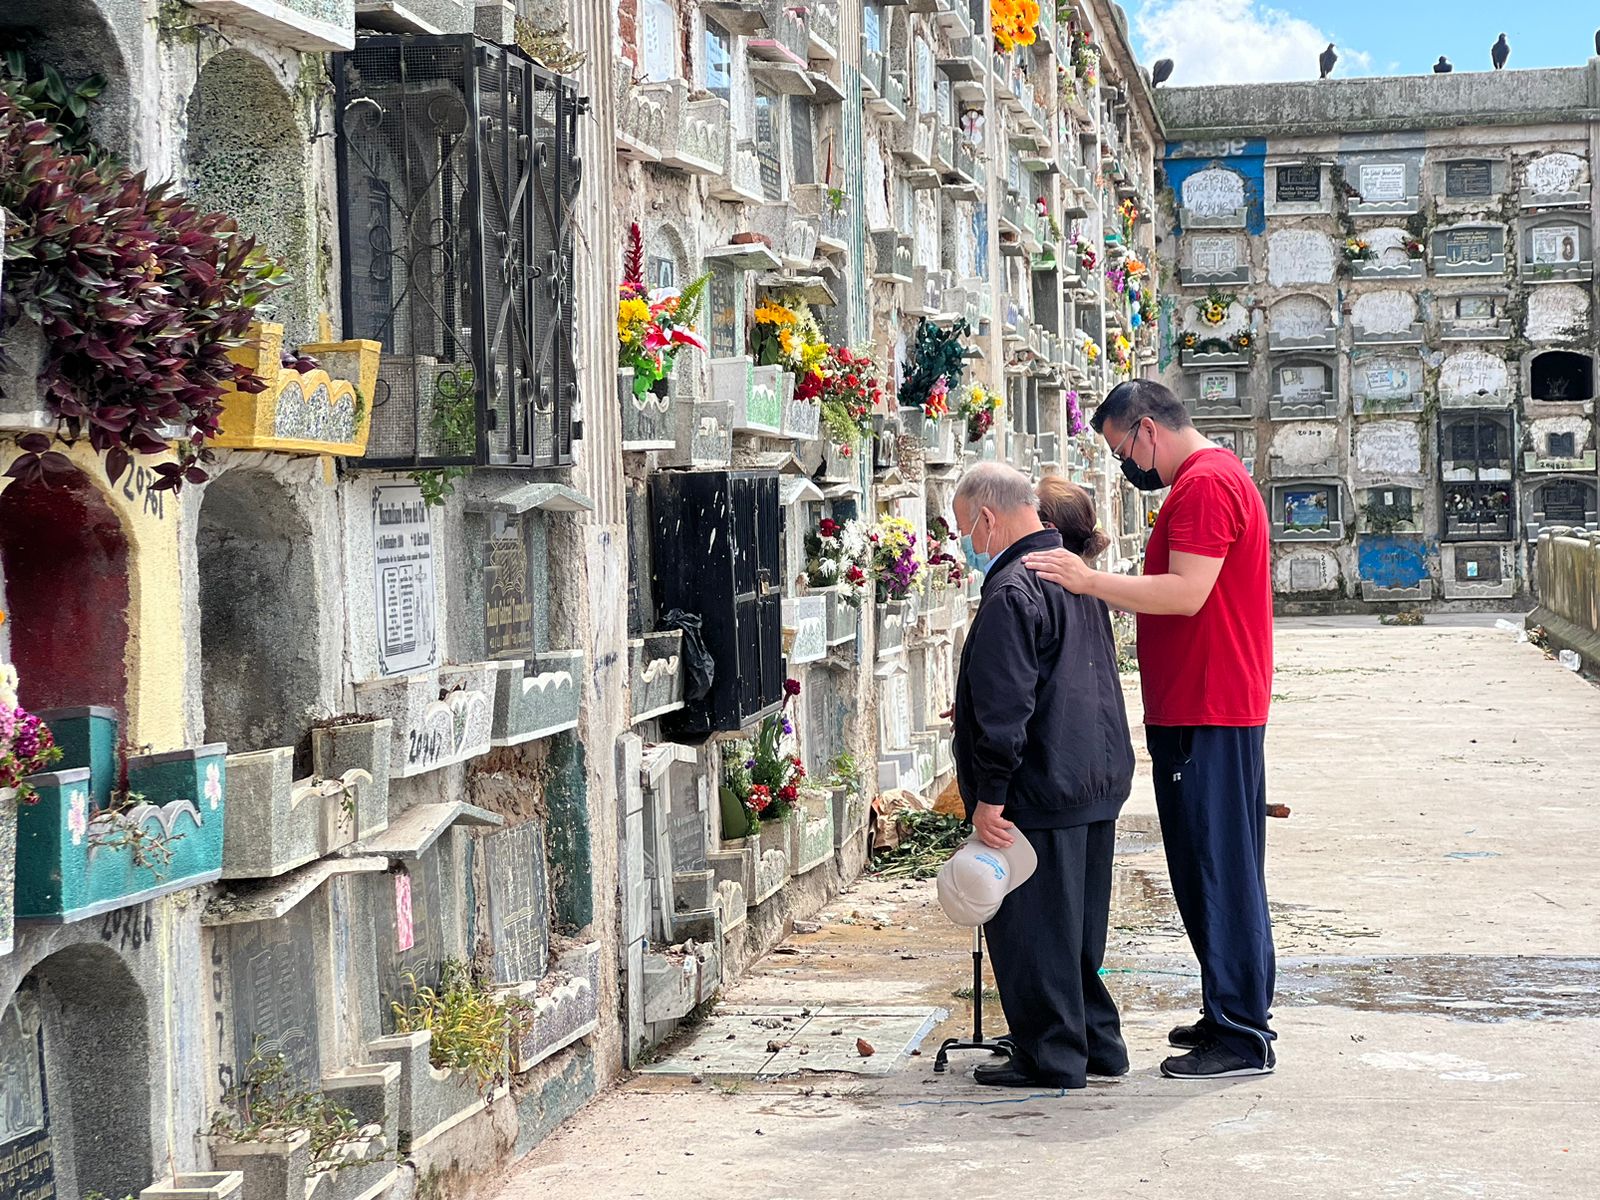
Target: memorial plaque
{"x":686,"y":823}
{"x":802,"y":151}
{"x":411,"y":941}
{"x":1475,"y":308}
{"x":1214,"y":253}
{"x":519,"y":902}
{"x":1308,"y":573}
{"x":27,"y":1156}
{"x":1566,"y":502}
{"x":724,"y":313}
{"x":1395,"y":504}
{"x":507,"y":593}
{"x":661,"y":272}
{"x":718,"y":61}
{"x":1387,"y":380}
{"x":1303,"y":382}
{"x":402,"y":552}
{"x":1554,"y":174}
{"x":1228,"y":440}
{"x":768,"y":154}
{"x":272,"y":967}
{"x":1299,"y":183}
{"x":1560,"y":445}
{"x":1389,"y":448}
{"x":1306,"y":509}
{"x":1214,"y":193}
{"x":1219,"y":385}
{"x":1478,"y":566}
{"x":1555,"y":245}
{"x":1382,"y":183}
{"x":1470,"y":247}
{"x":1463,"y":180}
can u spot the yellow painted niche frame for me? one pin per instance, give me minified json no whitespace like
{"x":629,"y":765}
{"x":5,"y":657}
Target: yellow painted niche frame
{"x":349,"y":373}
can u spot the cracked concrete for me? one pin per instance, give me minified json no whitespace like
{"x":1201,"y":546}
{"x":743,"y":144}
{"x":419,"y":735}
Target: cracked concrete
{"x":1439,"y":970}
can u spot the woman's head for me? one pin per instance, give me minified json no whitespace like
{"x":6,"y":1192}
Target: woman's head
{"x":1067,"y":507}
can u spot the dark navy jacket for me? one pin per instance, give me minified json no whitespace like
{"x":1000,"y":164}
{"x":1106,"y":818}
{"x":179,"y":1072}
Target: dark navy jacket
{"x":1040,"y":725}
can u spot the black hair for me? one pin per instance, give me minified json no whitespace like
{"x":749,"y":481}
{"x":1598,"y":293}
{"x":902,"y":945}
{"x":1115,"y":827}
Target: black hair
{"x":1135,"y":399}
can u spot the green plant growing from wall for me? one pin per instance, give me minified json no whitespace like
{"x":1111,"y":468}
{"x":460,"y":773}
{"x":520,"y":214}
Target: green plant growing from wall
{"x":453,"y":429}
{"x":471,"y":1025}
{"x":269,"y":1104}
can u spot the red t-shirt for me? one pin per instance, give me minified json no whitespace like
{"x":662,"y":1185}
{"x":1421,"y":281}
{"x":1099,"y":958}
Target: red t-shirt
{"x":1214,"y":668}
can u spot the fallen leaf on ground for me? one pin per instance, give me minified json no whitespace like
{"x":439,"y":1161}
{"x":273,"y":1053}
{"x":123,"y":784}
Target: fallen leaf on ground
{"x":864,"y":1048}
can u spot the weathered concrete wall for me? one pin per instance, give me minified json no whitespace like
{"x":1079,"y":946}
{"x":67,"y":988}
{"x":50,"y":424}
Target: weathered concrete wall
{"x":1568,"y":565}
{"x":1339,"y":106}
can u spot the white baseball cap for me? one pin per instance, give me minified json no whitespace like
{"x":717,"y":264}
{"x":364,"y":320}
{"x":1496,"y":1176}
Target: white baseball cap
{"x":977,"y":878}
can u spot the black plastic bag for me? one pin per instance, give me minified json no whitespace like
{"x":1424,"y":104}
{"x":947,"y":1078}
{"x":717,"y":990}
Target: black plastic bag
{"x":699,"y":668}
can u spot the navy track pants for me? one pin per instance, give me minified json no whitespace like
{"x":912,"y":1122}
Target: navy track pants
{"x":1211,"y":793}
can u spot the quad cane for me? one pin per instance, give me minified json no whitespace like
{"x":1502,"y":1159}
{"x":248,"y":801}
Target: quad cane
{"x":942,"y":1062}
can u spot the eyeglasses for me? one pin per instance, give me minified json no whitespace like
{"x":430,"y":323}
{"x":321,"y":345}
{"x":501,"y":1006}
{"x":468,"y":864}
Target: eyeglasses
{"x":1116,"y":451}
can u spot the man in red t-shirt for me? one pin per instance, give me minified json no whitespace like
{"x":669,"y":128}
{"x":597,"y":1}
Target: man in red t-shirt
{"x":1204,"y":606}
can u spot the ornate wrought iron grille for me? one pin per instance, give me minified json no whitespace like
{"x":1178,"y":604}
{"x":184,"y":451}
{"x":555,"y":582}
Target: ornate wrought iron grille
{"x":457,"y":177}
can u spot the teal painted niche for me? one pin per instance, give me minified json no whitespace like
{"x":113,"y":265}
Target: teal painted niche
{"x":78,"y":857}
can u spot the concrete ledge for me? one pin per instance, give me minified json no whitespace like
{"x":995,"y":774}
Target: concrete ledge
{"x":1565,"y":635}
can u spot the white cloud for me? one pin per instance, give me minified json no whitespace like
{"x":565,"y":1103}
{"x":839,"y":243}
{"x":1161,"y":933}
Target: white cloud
{"x":1235,"y":41}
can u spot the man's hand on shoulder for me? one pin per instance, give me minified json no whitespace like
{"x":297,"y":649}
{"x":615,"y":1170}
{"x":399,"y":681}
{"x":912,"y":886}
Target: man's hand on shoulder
{"x":1063,"y":567}
{"x":993,"y":828}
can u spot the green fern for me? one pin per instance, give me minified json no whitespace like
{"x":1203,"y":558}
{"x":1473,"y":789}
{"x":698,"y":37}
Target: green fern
{"x":692,"y":301}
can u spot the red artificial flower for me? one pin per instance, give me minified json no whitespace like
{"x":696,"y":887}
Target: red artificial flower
{"x":791,"y":687}
{"x":788,"y":792}
{"x":760,"y":797}
{"x":851,"y":381}
{"x":829,"y":527}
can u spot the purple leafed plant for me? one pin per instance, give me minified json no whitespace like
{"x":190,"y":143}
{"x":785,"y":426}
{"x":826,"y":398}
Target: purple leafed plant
{"x":140,"y":297}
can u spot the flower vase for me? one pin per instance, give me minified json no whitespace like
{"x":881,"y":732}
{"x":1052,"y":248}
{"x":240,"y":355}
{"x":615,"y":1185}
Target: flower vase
{"x":735,"y":820}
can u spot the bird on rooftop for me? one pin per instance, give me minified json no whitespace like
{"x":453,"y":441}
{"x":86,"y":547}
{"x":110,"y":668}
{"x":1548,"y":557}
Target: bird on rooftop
{"x":1327,"y":59}
{"x":1161,"y":72}
{"x":1501,"y":52}
{"x":1442,"y":67}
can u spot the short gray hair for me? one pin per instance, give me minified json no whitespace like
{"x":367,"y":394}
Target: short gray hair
{"x":997,"y":486}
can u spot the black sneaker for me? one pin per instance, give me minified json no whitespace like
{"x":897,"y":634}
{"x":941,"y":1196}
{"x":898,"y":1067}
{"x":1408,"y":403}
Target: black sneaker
{"x":1189,"y":1037}
{"x":1214,"y":1061}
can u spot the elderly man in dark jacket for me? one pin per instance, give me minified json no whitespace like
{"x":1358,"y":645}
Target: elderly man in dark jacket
{"x":1042,"y":751}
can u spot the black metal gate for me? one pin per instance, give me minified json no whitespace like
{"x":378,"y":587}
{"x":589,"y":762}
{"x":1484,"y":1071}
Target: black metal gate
{"x":457,"y":176}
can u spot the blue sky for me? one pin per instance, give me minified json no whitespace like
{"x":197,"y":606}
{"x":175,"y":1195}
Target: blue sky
{"x":1238,"y":41}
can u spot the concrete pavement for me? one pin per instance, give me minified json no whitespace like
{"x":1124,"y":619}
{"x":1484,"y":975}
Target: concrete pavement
{"x":1436,"y":902}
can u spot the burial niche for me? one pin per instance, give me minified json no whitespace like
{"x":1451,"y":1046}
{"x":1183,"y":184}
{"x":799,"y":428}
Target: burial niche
{"x":64,"y":570}
{"x":1562,"y":376}
{"x":258,"y":616}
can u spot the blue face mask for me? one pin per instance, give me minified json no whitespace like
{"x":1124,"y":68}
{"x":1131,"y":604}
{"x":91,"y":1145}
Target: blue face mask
{"x":977,"y":562}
